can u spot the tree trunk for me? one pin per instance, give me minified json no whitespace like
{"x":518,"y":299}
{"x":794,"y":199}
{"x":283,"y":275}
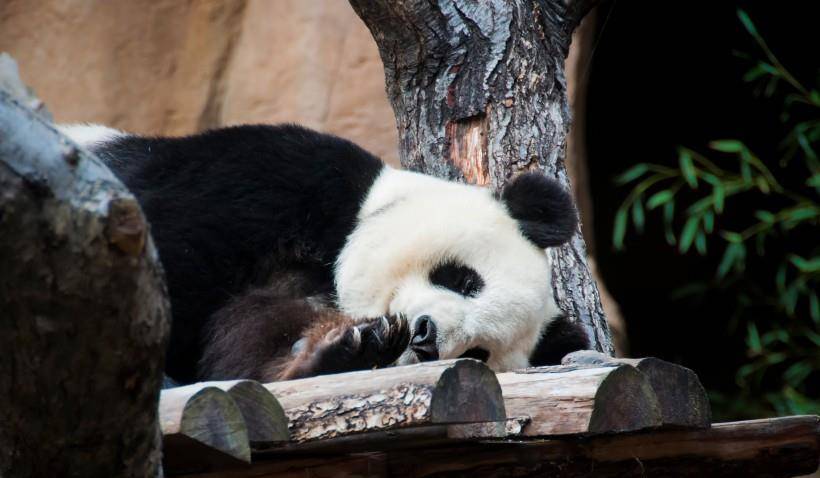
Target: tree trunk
{"x":83,"y":313}
{"x":479,"y":95}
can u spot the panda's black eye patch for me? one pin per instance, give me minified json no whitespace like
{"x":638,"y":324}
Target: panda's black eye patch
{"x":457,"y":278}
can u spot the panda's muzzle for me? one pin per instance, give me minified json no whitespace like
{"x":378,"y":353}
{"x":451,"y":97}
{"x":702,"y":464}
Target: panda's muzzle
{"x":423,"y":341}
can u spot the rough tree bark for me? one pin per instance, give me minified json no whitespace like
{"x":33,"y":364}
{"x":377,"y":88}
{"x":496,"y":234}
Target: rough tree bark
{"x":479,"y":95}
{"x":83,"y":313}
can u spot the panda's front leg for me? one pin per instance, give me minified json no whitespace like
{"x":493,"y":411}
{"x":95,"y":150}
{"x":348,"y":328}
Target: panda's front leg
{"x":344,"y":345}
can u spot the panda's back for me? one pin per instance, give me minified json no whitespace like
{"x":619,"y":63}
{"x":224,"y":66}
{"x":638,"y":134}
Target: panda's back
{"x":241,"y":207}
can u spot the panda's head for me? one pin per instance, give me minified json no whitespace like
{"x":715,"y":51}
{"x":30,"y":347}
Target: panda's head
{"x":465,"y":267}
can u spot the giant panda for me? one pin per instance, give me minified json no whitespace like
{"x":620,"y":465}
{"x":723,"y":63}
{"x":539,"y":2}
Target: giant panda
{"x":290,"y":253}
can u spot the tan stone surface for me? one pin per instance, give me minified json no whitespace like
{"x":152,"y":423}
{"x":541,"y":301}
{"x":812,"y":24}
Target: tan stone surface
{"x":176,"y":66}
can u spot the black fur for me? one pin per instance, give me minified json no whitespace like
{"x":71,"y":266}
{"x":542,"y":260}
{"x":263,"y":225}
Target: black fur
{"x":561,"y":336}
{"x":544,"y":210}
{"x":235,"y":208}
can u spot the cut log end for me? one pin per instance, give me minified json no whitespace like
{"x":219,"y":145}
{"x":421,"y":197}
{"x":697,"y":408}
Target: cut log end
{"x":264,"y":416}
{"x":202,"y":427}
{"x":467,"y":392}
{"x":624,"y":401}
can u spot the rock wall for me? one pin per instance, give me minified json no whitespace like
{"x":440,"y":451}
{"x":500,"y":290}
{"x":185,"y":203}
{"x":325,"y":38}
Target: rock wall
{"x":177,"y":66}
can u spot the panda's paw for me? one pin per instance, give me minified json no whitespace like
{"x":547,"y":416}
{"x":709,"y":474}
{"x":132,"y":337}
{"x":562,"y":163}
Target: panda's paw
{"x":383,"y":340}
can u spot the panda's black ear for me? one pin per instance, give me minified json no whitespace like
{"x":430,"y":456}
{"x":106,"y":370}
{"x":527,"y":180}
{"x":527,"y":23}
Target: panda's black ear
{"x":543,"y":209}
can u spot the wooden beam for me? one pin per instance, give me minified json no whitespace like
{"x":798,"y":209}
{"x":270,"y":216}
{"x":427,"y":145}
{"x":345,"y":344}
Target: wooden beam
{"x":682,"y":398}
{"x":774,"y":448}
{"x":567,"y":400}
{"x":202,"y":429}
{"x":447,"y":392}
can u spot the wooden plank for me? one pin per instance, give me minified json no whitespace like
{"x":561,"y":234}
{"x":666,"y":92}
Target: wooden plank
{"x":565,"y":400}
{"x":682,"y":398}
{"x":446,"y":392}
{"x":774,"y":448}
{"x":202,"y":429}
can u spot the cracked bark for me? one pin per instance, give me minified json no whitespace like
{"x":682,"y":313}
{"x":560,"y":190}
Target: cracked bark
{"x":479,"y":95}
{"x":83,"y":313}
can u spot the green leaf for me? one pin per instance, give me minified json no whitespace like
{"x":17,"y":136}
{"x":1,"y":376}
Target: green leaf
{"x":796,"y":373}
{"x":753,"y":338}
{"x":700,"y":243}
{"x":814,"y":307}
{"x":638,"y":215}
{"x":659,"y":198}
{"x":620,"y":229}
{"x":747,"y":22}
{"x":708,"y":222}
{"x":727,"y":145}
{"x":780,"y":277}
{"x":732,"y":236}
{"x":799,"y":214}
{"x":632,"y":173}
{"x":688,"y":234}
{"x":746,"y":173}
{"x":687,"y":167}
{"x":808,"y":266}
{"x":729,"y":257}
{"x":762,"y":184}
{"x":814,"y":97}
{"x":814,"y":181}
{"x":765,"y":216}
{"x":719,"y":194}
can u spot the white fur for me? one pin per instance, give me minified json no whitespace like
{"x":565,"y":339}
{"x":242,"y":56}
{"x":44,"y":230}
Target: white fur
{"x":88,"y":135}
{"x":408,"y":224}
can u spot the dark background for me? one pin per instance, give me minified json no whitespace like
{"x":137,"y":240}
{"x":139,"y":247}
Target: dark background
{"x":663,"y":74}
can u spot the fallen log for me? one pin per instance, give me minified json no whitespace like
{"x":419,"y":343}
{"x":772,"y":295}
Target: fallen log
{"x":682,"y":398}
{"x":433,"y":393}
{"x":564,"y":400}
{"x":202,"y":429}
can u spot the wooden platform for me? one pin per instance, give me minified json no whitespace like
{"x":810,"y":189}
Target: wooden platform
{"x":589,"y":417}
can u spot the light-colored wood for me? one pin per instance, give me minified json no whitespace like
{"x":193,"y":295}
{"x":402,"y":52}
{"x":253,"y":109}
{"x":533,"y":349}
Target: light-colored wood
{"x":202,"y":429}
{"x":682,"y":398}
{"x":264,"y":416}
{"x":775,"y":448}
{"x":564,"y":400}
{"x":447,"y":392}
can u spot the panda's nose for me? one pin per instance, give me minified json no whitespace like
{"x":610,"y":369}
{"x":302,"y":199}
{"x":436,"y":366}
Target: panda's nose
{"x":423,"y":342}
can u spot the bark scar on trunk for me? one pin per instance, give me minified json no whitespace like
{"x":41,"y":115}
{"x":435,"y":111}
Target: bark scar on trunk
{"x":467,"y":138}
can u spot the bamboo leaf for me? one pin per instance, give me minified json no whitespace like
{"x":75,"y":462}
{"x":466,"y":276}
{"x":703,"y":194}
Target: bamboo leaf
{"x":753,"y":338}
{"x":660,"y":198}
{"x":762,"y":185}
{"x":619,"y":230}
{"x":719,"y":194}
{"x":700,"y":243}
{"x":765,"y":216}
{"x":638,"y":214}
{"x":814,"y":307}
{"x":708,"y":222}
{"x":687,"y":167}
{"x":804,"y":265}
{"x":747,"y":22}
{"x":727,"y":145}
{"x":732,"y":236}
{"x":632,"y":173}
{"x":728,"y":260}
{"x":688,"y":234}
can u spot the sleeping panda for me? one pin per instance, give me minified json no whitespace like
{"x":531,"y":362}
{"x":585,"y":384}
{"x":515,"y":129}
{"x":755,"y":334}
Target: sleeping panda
{"x":290,"y":253}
